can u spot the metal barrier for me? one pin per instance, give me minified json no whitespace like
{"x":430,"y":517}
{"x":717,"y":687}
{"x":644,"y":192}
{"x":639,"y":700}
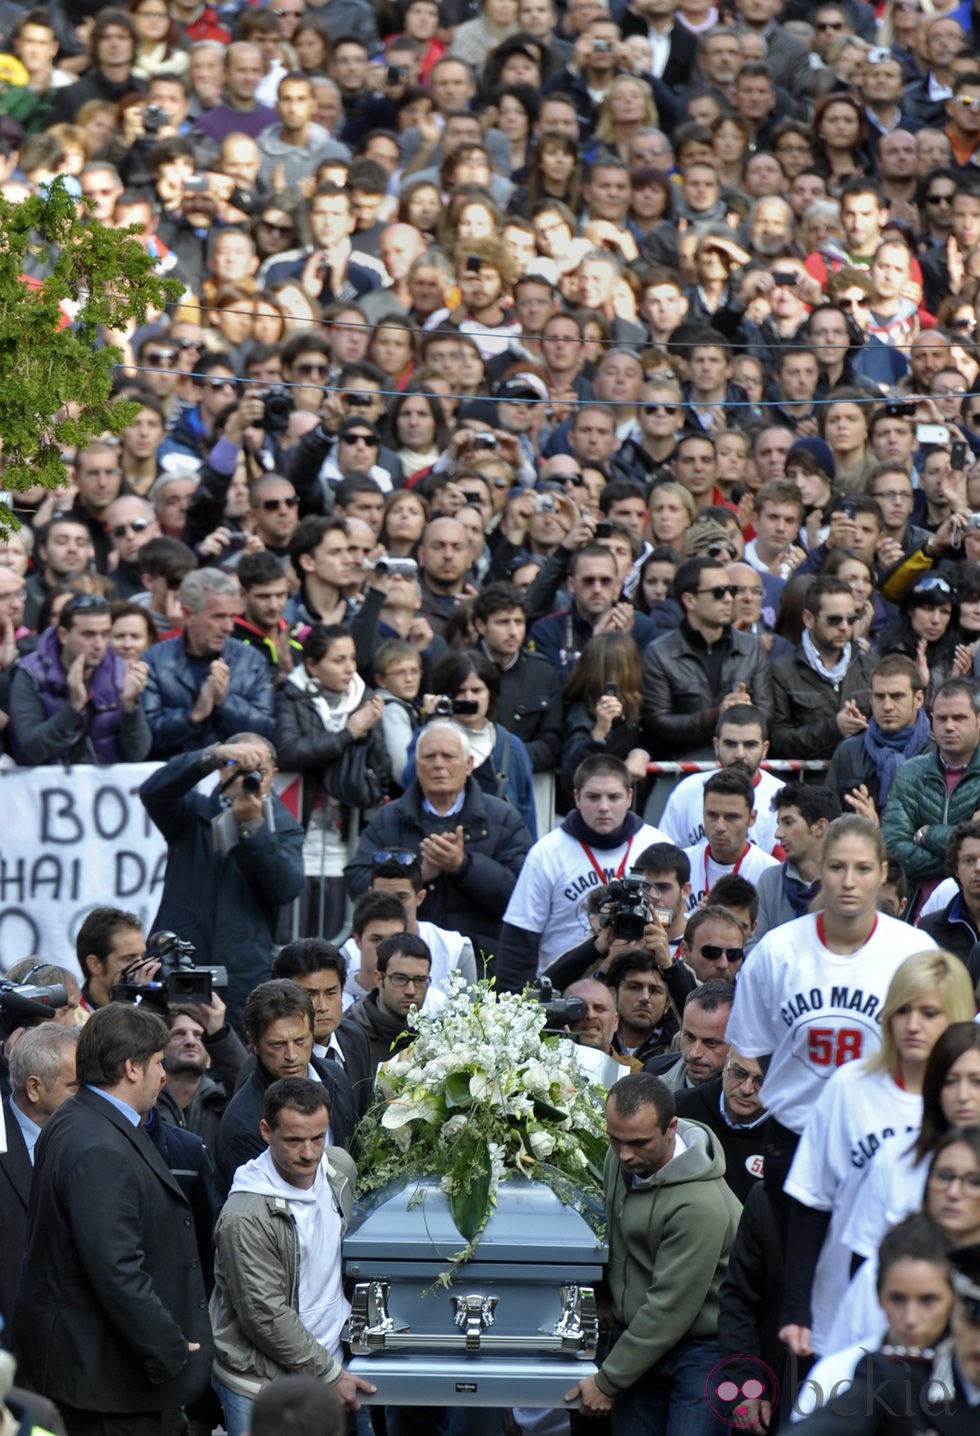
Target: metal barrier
{"x":666,"y":775}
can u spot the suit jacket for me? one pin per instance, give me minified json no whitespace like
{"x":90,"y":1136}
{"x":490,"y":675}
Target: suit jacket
{"x":16,"y":1172}
{"x":111,"y":1292}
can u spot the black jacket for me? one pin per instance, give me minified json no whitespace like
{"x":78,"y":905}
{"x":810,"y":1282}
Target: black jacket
{"x":15,"y":1190}
{"x":954,"y":931}
{"x":751,"y":1295}
{"x":239,"y":1138}
{"x":472,"y":901}
{"x":111,"y":1292}
{"x":193,"y":1170}
{"x":805,"y":706}
{"x":305,"y":746}
{"x":203,"y":1114}
{"x":743,"y":1146}
{"x":386,"y":1035}
{"x":680,"y":703}
{"x":530,"y":707}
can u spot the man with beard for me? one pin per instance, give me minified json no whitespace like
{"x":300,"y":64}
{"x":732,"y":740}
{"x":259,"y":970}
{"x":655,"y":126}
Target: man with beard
{"x":202,"y":1061}
{"x":863,"y":767}
{"x":740,"y":741}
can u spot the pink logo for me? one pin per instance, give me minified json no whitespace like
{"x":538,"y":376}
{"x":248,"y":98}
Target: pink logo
{"x":736,"y":1381}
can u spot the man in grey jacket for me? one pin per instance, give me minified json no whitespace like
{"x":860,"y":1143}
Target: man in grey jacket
{"x":278,"y":1305}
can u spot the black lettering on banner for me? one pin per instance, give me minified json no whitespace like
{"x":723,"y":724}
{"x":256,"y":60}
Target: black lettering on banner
{"x":108,"y":823}
{"x":12,"y":880}
{"x":19,"y":933}
{"x":59,"y":822}
{"x":48,"y":875}
{"x":130,"y":874}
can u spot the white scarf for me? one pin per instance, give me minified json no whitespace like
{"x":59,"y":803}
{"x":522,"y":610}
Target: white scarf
{"x":333,"y":709}
{"x":834,"y":675}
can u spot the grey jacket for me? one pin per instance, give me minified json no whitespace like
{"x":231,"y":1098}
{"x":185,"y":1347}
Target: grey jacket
{"x":255,"y":1304}
{"x":680,"y":709}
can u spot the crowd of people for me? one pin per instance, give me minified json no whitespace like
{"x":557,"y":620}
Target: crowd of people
{"x":555,"y":394}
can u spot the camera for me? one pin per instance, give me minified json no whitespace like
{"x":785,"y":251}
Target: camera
{"x":235,"y":542}
{"x":931,"y":434}
{"x":603,"y":529}
{"x":447,"y":707}
{"x":196,"y":184}
{"x":277,"y":406}
{"x":847,"y":508}
{"x":484,"y":441}
{"x":610,"y":690}
{"x":252,"y":781}
{"x":788,"y":278}
{"x":154,"y":118}
{"x":545,"y":503}
{"x":957,"y":454}
{"x":25,"y":1005}
{"x":559,"y":1012}
{"x":900,"y":411}
{"x":178,"y":980}
{"x":473,"y":264}
{"x":395,"y":74}
{"x":407,"y":567}
{"x":602,"y":47}
{"x":624,"y":909}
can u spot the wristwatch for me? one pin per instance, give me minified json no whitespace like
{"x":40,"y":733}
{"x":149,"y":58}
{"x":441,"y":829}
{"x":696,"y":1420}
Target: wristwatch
{"x":921,"y":834}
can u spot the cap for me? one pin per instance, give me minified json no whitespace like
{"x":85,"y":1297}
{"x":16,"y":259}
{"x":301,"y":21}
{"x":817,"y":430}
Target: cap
{"x":819,"y":450}
{"x":965,"y":1262}
{"x":484,"y":410}
{"x":703,"y":534}
{"x":521,"y":386}
{"x":355,"y":423}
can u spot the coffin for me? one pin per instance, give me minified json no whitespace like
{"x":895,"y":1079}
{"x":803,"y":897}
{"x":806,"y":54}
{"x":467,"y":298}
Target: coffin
{"x":518,"y":1326}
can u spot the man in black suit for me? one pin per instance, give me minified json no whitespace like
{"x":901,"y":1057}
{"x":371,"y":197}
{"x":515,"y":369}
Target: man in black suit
{"x":279,"y":1023}
{"x":321,"y":969}
{"x":42,"y":1076}
{"x":111,"y":1318}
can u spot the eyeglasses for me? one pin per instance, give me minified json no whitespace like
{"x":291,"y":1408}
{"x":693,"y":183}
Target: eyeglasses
{"x":289,"y":14}
{"x":185,"y":344}
{"x":714,"y":953}
{"x":743,"y":1078}
{"x":219,"y":383}
{"x":84,"y":603}
{"x":864,"y":303}
{"x":660,"y":408}
{"x":271,"y":505}
{"x":720,"y":591}
{"x":943,"y":1177}
{"x":829,"y":25}
{"x":948,"y":393}
{"x":841,"y":620}
{"x":891,"y":495}
{"x":596,"y":581}
{"x":939,"y":199}
{"x":368,"y":439}
{"x":312,"y":371}
{"x":402,"y":979}
{"x":277,"y":228}
{"x":402,"y":856}
{"x":137,"y":526}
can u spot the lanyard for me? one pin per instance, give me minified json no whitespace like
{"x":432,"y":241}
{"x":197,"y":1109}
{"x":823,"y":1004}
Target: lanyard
{"x":592,"y":859}
{"x":707,"y":850}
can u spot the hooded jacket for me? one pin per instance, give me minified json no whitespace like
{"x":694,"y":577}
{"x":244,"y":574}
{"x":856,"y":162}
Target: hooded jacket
{"x":255,"y":1307}
{"x":669,"y":1240}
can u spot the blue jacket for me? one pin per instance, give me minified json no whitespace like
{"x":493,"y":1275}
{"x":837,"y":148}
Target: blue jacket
{"x":174,"y":683}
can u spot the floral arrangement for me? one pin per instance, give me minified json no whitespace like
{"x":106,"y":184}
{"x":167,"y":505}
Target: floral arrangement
{"x":482,"y":1095}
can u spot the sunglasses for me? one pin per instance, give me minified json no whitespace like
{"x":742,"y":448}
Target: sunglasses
{"x":312,"y":371}
{"x":137,"y":526}
{"x":84,"y":603}
{"x":188,"y":344}
{"x":277,"y":228}
{"x":714,"y":953}
{"x":829,"y":25}
{"x":932,"y":584}
{"x":718,"y":549}
{"x":270,"y":506}
{"x":369,"y":439}
{"x":161,"y":358}
{"x":841,"y":620}
{"x":854,"y":303}
{"x":939,"y":199}
{"x":401,"y":856}
{"x":660,"y":408}
{"x":219,"y":383}
{"x":720,"y":591}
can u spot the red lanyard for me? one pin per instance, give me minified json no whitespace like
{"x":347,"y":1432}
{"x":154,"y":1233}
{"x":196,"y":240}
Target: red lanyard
{"x":707,"y":850}
{"x":592,"y":859}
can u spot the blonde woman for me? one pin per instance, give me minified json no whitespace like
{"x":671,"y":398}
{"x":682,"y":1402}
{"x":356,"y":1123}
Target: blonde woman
{"x":628,"y":106}
{"x":863,"y":1107}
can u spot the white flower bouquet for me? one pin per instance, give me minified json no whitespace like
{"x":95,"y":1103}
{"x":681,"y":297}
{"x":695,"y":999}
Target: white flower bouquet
{"x":482,"y":1095}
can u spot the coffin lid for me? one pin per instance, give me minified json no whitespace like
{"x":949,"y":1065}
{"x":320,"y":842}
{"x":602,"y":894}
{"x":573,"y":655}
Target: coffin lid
{"x":529,"y":1223}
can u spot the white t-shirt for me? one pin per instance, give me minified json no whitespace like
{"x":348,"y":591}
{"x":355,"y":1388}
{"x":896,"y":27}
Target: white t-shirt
{"x":895,"y":1187}
{"x":859,"y":1317}
{"x":811,"y":1010}
{"x":683,"y":817}
{"x":940,"y":897}
{"x":449,"y":950}
{"x":705,"y":872}
{"x":557,"y":876}
{"x":855,"y":1115}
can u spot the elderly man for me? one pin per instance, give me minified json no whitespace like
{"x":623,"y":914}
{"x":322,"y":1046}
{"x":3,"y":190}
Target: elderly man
{"x":42,"y":1076}
{"x":234,"y":857}
{"x":205,"y":685}
{"x":472,"y":845}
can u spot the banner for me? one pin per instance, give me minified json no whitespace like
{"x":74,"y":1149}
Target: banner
{"x":73,"y":839}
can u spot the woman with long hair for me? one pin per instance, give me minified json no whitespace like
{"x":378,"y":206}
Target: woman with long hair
{"x":862,"y":1107}
{"x":927,"y":630}
{"x":158,"y":47}
{"x":843,"y":423}
{"x":554,"y":173}
{"x":840,"y":133}
{"x":672,"y":513}
{"x":416,"y":431}
{"x":393,"y":347}
{"x":517,"y":114}
{"x":406,"y":515}
{"x":627,"y":106}
{"x":602,"y":706}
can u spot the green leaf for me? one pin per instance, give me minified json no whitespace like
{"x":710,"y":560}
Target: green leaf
{"x":457,"y":1090}
{"x":470,"y":1206}
{"x":544,"y":1111}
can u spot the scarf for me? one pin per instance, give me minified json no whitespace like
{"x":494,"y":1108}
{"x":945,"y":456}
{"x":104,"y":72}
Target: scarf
{"x":798,"y":894}
{"x":834,"y":675}
{"x":333,"y":709}
{"x":575,"y":826}
{"x":887,"y":750}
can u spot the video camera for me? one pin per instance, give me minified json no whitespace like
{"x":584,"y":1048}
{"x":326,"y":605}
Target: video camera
{"x":559,"y":1012}
{"x":25,"y":1005}
{"x":178,"y":979}
{"x":447,"y":707}
{"x":624,"y":909}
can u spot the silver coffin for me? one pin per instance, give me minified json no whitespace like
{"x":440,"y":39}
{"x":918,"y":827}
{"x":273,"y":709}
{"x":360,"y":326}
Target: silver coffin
{"x":517,"y":1327}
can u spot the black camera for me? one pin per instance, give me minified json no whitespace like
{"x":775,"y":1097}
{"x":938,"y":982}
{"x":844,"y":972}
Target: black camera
{"x":154,"y":118}
{"x":252,"y":781}
{"x":895,"y":410}
{"x":559,"y":1012}
{"x":624,"y":909}
{"x":277,"y":406}
{"x":25,"y":1005}
{"x":447,"y":707}
{"x":178,"y":980}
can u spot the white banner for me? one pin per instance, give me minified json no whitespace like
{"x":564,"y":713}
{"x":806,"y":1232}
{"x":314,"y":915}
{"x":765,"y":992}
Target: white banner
{"x":72,"y":839}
